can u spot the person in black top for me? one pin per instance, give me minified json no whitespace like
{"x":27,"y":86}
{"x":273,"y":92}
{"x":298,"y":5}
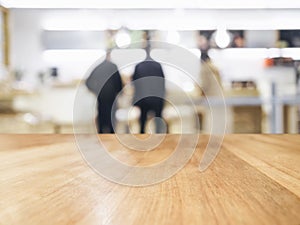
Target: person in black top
{"x":149,"y":93}
{"x":105,"y":82}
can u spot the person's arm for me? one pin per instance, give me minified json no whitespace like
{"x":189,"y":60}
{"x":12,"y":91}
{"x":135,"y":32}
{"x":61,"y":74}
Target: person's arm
{"x":164,"y":83}
{"x":161,"y":72}
{"x":119,"y":84}
{"x":135,"y":74}
{"x":90,"y":82}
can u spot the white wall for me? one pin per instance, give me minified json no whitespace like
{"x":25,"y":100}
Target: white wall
{"x":26,"y":48}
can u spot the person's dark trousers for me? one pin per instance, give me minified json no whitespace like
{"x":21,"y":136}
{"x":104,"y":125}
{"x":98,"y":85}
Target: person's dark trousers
{"x":106,"y":118}
{"x":155,"y":106}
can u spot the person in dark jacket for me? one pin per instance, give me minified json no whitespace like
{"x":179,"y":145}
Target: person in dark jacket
{"x":149,"y":93}
{"x":105,"y":82}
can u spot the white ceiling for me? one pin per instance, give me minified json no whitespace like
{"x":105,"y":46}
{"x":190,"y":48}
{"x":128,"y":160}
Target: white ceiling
{"x":153,"y":4}
{"x":163,"y":19}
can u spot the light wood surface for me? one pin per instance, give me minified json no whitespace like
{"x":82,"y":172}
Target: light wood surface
{"x":255,"y":179}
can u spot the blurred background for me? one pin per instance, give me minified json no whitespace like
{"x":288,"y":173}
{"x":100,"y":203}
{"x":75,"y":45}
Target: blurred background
{"x":47,"y":48}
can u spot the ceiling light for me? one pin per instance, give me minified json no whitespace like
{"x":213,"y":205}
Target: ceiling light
{"x":123,"y":39}
{"x":173,"y":37}
{"x":222,"y":38}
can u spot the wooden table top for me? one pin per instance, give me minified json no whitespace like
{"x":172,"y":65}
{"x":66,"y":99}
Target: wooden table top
{"x":255,"y":179}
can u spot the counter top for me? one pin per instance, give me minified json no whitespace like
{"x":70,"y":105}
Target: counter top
{"x":255,"y":179}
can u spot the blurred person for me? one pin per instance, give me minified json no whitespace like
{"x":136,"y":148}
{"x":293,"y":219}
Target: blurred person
{"x":209,"y":76}
{"x":107,"y":76}
{"x":211,"y":86}
{"x":203,"y":43}
{"x":238,"y":41}
{"x":146,"y":69}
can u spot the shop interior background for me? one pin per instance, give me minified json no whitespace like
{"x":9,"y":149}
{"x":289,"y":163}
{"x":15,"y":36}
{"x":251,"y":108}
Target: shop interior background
{"x":48,"y":46}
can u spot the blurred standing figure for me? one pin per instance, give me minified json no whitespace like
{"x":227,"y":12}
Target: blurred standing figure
{"x":146,"y":87}
{"x":210,"y":77}
{"x":105,"y":82}
{"x":209,"y":74}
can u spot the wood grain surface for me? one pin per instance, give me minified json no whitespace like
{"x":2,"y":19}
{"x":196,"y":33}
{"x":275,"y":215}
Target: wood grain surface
{"x":255,"y":179}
